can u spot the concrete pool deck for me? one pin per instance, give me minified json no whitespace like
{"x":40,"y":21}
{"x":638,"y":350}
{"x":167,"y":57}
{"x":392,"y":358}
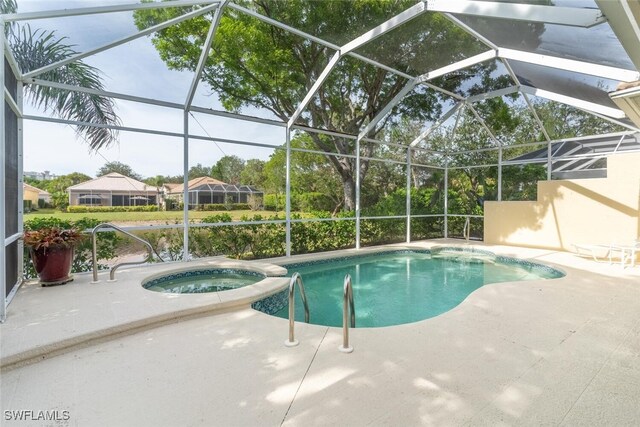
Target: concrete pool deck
{"x":564,"y":351}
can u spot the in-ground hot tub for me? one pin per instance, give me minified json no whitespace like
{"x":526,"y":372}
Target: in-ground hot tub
{"x":203,"y":280}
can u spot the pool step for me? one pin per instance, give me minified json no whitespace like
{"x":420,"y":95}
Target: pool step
{"x":464,"y":255}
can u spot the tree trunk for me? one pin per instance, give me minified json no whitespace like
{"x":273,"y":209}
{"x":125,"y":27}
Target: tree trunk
{"x":349,"y":191}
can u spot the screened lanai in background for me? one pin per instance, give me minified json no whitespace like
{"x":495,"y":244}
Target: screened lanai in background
{"x":206,"y":190}
{"x":447,"y":66}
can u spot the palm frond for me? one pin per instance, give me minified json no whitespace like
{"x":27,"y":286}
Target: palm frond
{"x":8,"y":6}
{"x":38,"y":48}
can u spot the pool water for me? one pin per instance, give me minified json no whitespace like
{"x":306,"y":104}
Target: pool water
{"x":203,"y":283}
{"x":399,"y":288}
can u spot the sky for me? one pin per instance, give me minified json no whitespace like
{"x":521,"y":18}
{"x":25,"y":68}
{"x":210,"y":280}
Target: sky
{"x":133,"y":68}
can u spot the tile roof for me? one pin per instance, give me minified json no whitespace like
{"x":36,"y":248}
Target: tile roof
{"x":32,"y":188}
{"x":113,"y":182}
{"x":196,"y":182}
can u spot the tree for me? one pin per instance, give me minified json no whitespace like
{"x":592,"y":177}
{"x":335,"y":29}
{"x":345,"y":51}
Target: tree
{"x":255,"y":64}
{"x":253,"y":173}
{"x":310,"y":173}
{"x":57,"y":187}
{"x":34,"y":182}
{"x":156,"y":181}
{"x":198,"y":171}
{"x":120,"y":168}
{"x":228,"y":169}
{"x":34,"y":49}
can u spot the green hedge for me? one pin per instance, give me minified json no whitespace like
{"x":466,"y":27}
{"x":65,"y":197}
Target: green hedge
{"x":223,"y":207}
{"x":86,"y":209}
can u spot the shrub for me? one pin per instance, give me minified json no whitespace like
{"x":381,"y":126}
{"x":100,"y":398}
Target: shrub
{"x":318,"y":236}
{"x":211,"y":207}
{"x":87,"y":209}
{"x":307,"y":202}
{"x":223,"y":207}
{"x":228,"y":202}
{"x":255,"y":202}
{"x":274,"y":202}
{"x":172,"y":205}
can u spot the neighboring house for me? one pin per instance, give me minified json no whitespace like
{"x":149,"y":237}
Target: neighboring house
{"x":206,"y":190}
{"x":34,"y":194}
{"x":113,"y":189}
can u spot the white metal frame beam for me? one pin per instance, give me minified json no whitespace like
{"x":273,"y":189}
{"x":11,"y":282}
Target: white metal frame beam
{"x":46,"y":14}
{"x":157,"y":102}
{"x":206,"y":47}
{"x":493,"y":94}
{"x":314,"y":88}
{"x":484,"y":125}
{"x":533,"y":111}
{"x":570,"y":16}
{"x":471,"y":31}
{"x":575,"y":102}
{"x":437,"y":124}
{"x":370,"y":35}
{"x":315,"y":39}
{"x":441,"y":90}
{"x":20,"y":115}
{"x":615,"y":121}
{"x":611,"y":73}
{"x":387,"y":108}
{"x":8,"y":55}
{"x":536,"y":117}
{"x":385,"y":27}
{"x":624,"y":18}
{"x":465,"y":63}
{"x":120,"y":41}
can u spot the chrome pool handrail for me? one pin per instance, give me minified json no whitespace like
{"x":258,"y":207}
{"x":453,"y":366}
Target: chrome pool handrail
{"x":296,"y":278}
{"x":112,"y":271}
{"x":348,"y":311}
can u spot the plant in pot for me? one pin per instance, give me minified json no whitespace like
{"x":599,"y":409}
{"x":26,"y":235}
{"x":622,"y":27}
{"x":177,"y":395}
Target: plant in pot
{"x":51,"y":252}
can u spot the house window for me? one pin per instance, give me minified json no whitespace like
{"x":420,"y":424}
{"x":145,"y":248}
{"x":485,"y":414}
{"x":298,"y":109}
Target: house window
{"x":204,"y":198}
{"x":119,"y":200}
{"x":90,"y":199}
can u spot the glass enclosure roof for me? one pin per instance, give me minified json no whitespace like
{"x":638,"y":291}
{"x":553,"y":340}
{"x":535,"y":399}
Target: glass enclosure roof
{"x":432,"y":55}
{"x":576,"y":85}
{"x":597,"y":45}
{"x":417,"y":47}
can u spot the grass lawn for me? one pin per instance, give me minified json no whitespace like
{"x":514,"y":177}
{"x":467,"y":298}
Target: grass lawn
{"x":116,"y":217}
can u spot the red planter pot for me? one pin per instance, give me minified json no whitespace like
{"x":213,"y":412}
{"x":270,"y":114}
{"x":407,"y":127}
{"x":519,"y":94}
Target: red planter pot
{"x":53,"y":265}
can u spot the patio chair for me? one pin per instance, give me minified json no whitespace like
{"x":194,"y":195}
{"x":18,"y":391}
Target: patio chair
{"x":597,"y":252}
{"x":628,"y":252}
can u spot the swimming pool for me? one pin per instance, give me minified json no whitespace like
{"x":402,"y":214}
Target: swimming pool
{"x":400,"y":287}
